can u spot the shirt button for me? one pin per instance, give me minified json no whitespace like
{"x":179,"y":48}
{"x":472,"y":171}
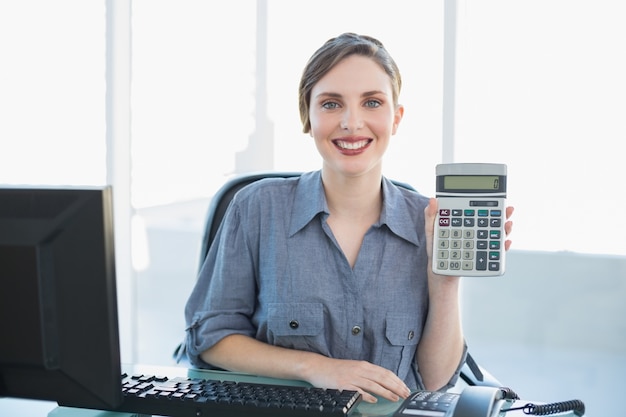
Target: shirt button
{"x":411,"y":334}
{"x":294,"y":324}
{"x":356,"y":330}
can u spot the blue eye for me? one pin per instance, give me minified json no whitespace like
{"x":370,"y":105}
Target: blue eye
{"x":330,"y":105}
{"x":372,"y":103}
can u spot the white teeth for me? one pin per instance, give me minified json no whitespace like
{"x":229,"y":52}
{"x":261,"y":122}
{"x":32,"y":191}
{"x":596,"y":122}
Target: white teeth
{"x":351,"y":145}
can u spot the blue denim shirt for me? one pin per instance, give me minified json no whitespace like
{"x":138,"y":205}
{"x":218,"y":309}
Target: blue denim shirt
{"x":276,"y":273}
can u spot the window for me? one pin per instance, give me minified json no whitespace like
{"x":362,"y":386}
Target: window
{"x":52,"y":101}
{"x":540,"y":86}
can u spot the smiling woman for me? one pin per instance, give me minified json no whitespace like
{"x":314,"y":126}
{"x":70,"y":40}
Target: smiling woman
{"x":322,"y":240}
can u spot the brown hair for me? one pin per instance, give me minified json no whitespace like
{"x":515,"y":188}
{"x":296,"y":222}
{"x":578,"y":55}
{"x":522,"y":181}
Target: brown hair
{"x":330,"y":54}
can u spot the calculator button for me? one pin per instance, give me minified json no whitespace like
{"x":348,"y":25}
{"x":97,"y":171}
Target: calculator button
{"x":481,"y":261}
{"x":469,"y":240}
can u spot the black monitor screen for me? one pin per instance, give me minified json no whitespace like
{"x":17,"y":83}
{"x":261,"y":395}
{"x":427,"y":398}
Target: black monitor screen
{"x":58,"y":302}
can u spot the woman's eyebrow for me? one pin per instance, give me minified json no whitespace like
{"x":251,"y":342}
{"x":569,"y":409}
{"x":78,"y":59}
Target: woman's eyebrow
{"x":373,"y":93}
{"x":328,"y":94}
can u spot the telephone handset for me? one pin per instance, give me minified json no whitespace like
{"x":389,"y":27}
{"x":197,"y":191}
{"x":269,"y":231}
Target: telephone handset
{"x":477,"y":401}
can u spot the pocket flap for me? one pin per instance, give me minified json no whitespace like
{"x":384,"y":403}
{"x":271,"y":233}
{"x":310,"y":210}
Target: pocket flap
{"x":402,"y":330}
{"x":295,"y":319}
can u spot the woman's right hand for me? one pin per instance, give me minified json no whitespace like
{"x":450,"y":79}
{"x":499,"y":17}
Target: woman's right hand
{"x":362,"y":376}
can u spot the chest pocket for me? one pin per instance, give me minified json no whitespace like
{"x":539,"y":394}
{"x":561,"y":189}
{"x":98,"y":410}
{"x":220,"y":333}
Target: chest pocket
{"x":296,"y":326}
{"x":402,"y":334}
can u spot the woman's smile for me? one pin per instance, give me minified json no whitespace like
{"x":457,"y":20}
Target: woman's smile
{"x":352,"y":146}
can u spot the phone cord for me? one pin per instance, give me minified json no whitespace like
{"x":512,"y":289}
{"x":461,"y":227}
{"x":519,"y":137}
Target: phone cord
{"x":577,"y":406}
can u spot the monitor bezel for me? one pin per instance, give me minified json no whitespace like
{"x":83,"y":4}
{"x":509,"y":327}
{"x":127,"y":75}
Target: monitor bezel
{"x":60,"y":322}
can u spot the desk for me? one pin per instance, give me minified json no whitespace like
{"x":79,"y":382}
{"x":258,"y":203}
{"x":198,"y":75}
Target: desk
{"x":383,"y":408}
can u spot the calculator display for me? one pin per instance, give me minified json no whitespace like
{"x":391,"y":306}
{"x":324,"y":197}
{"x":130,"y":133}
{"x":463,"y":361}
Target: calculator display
{"x":471,"y":182}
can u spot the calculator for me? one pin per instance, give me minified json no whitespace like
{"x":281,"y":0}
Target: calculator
{"x":469,"y":228}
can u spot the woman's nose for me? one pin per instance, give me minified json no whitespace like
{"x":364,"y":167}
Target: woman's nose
{"x":351,"y":120}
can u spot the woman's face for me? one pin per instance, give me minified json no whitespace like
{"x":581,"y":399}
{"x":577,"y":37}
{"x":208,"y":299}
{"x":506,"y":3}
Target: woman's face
{"x":353,"y":116}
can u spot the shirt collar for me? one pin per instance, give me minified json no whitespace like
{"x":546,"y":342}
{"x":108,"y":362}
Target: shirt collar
{"x":310,"y":200}
{"x":396,"y":213}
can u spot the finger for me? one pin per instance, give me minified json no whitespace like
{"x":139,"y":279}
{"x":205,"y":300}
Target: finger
{"x":431,"y":209}
{"x":430,"y":212}
{"x":386,"y":385}
{"x":508,"y":226}
{"x":509,"y":211}
{"x":367,"y":397}
{"x":371,"y":390}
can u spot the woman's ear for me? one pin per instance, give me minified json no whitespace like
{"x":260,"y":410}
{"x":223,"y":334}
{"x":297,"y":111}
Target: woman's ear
{"x":397,"y":118}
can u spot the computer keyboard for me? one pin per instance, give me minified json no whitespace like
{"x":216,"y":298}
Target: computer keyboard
{"x":189,"y":397}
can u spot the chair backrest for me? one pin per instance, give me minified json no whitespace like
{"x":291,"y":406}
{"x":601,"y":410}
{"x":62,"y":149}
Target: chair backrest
{"x":472,"y":373}
{"x":222,"y":198}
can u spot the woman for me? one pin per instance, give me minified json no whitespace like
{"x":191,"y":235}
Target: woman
{"x":327,"y":277}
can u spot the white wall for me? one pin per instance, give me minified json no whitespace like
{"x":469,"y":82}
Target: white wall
{"x":553,"y":327}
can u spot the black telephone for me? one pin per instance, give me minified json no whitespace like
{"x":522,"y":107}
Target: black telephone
{"x":476,"y":401}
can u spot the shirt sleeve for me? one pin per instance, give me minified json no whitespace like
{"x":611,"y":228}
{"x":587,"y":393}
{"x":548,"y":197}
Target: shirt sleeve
{"x":223,"y":299}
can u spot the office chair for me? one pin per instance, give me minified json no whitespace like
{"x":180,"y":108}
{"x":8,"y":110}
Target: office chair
{"x":471,"y":373}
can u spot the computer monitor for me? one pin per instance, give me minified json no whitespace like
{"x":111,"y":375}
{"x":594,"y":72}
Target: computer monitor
{"x":59,"y":336}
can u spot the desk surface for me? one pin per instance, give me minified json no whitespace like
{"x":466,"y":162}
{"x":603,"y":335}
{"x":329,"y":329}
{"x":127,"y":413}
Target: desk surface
{"x":33,"y":408}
